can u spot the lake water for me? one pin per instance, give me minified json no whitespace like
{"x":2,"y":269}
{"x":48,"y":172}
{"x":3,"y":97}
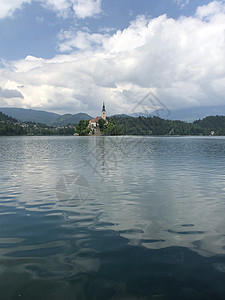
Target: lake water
{"x":112,"y":218}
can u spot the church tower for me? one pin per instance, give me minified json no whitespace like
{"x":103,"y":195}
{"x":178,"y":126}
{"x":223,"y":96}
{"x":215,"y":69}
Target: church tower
{"x":103,"y":112}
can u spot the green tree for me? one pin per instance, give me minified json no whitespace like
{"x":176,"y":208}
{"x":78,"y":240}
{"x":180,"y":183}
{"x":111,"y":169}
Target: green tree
{"x":101,"y":123}
{"x":82,"y":127}
{"x":112,"y":128}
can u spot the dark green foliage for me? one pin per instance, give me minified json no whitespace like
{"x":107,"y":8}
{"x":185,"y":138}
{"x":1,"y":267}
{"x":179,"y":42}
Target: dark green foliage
{"x":216,"y":124}
{"x":112,"y":128}
{"x":82,"y":128}
{"x":4,"y":117}
{"x":101,"y":123}
{"x":158,"y":126}
{"x":118,"y":125}
{"x":10,"y":126}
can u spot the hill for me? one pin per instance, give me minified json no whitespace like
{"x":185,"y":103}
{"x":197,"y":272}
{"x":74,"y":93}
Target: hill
{"x":194,"y":113}
{"x":158,"y":126}
{"x":5,"y":118}
{"x":44,"y":117}
{"x":30,"y":115}
{"x":9,"y":126}
{"x":68,"y":119}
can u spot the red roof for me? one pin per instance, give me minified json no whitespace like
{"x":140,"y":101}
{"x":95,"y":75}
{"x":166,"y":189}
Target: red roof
{"x":98,"y":118}
{"x":92,"y":120}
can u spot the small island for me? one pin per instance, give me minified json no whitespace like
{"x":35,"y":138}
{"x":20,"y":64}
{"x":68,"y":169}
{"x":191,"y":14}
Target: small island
{"x":98,"y":126}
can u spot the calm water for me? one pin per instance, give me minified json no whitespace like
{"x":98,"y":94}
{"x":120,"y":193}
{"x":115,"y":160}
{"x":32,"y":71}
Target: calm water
{"x":112,"y":218}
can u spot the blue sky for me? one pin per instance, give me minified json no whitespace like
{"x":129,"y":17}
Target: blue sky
{"x":71,"y":55}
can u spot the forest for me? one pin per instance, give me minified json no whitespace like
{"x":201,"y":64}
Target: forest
{"x":10,"y":126}
{"x":120,"y":126}
{"x":157,"y":126}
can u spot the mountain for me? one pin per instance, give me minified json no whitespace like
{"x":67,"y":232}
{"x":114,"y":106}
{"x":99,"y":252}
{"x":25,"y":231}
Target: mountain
{"x":5,"y":118}
{"x":39,"y":116}
{"x":25,"y":115}
{"x":119,"y":116}
{"x":186,"y":114}
{"x":70,"y":119}
{"x":195,"y":113}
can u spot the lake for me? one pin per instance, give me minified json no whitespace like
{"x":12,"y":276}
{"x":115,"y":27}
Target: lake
{"x":112,"y":218}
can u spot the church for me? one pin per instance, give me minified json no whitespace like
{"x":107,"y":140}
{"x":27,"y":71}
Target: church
{"x":93,"y":123}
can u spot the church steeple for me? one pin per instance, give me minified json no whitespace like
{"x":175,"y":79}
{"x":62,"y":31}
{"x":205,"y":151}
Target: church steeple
{"x":103,"y":112}
{"x":103,"y":107}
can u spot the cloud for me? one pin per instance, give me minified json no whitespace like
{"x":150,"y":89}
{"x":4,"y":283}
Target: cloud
{"x":181,"y":3}
{"x":64,"y":8}
{"x":86,"y":8}
{"x":211,"y":10}
{"x":182,"y":61}
{"x":80,"y":8}
{"x":69,"y":40}
{"x":10,"y":94}
{"x":8,"y":7}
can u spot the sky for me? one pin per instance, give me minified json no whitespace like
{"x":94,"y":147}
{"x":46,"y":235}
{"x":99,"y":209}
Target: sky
{"x":68,"y":56}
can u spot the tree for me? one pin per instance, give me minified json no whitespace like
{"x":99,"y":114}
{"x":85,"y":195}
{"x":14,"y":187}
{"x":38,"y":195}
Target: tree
{"x":101,"y":123}
{"x":112,"y":128}
{"x":82,"y":127}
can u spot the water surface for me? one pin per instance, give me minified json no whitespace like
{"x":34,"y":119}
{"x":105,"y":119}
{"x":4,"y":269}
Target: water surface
{"x":112,"y":218}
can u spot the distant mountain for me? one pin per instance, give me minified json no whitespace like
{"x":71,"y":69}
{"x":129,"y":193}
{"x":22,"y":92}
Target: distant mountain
{"x":119,"y":116}
{"x":39,"y":116}
{"x":186,"y":114}
{"x":5,"y":118}
{"x":195,"y":113}
{"x":25,"y":115}
{"x":70,"y":119}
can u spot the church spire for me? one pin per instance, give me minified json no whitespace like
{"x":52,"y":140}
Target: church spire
{"x":103,"y":112}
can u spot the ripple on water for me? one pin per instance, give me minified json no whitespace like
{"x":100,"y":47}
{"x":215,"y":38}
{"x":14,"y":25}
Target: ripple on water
{"x":152,"y":216}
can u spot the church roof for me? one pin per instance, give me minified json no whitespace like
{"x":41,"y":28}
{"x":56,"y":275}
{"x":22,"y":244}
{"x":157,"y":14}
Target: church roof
{"x":92,"y":120}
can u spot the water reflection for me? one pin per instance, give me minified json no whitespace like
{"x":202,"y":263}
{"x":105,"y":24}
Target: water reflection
{"x":67,"y":202}
{"x":148,"y":188}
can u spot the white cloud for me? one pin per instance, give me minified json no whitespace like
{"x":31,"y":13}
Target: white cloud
{"x":80,"y":8}
{"x":181,"y":3}
{"x":8,"y":7}
{"x":68,"y":40}
{"x":86,"y":8}
{"x":211,"y":10}
{"x":182,"y":61}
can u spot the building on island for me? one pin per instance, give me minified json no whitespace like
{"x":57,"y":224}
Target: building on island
{"x":103,"y":112}
{"x":93,"y":123}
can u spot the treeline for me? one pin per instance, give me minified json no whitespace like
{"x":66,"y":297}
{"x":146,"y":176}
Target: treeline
{"x":158,"y":126}
{"x":42,"y":129}
{"x":215,"y":123}
{"x":111,"y":128}
{"x":5,"y":118}
{"x":7,"y":128}
{"x":119,"y":126}
{"x":10,"y":126}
